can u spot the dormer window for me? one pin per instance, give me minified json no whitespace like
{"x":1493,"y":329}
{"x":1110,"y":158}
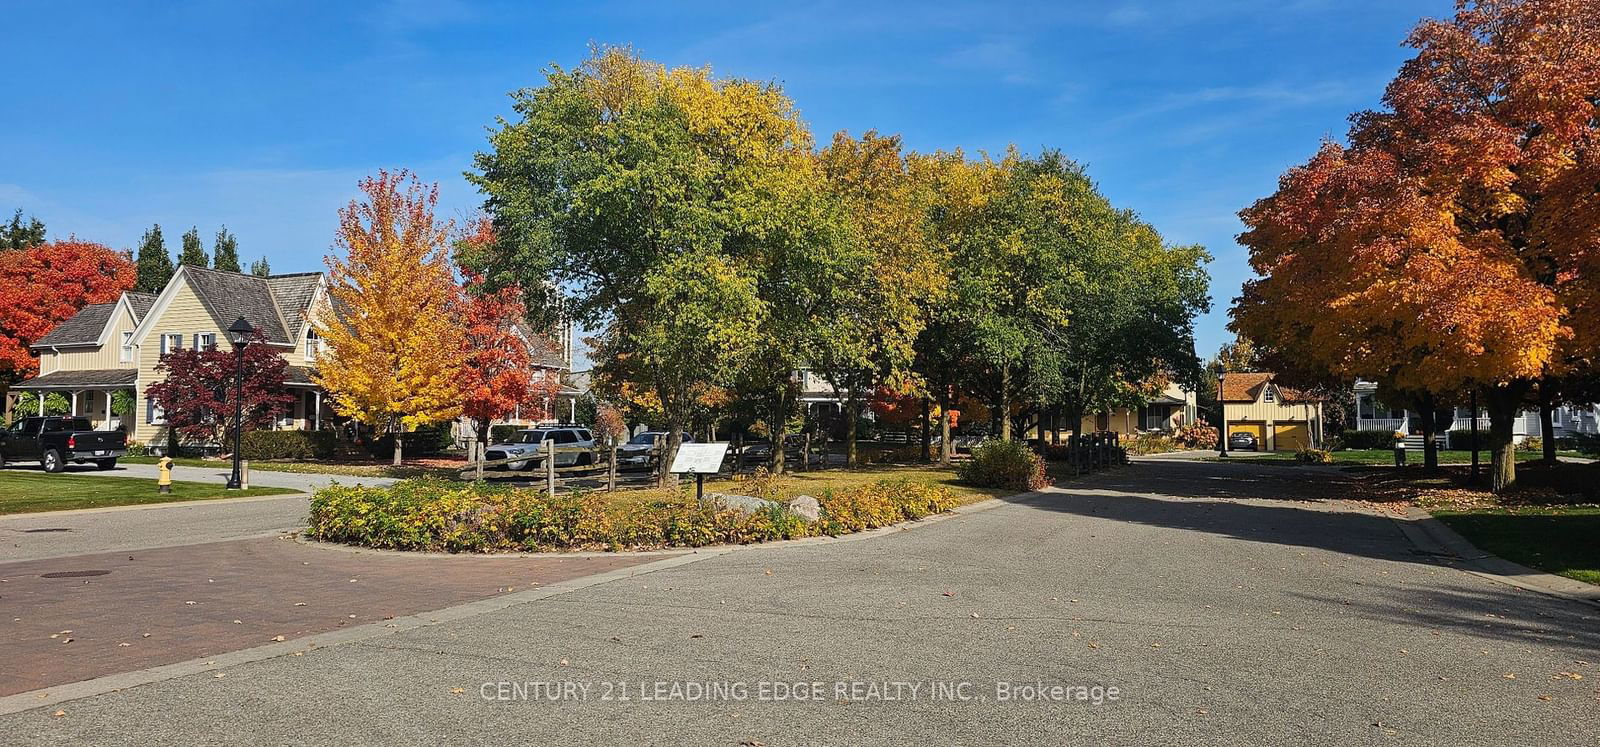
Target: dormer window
{"x":1269,"y":395}
{"x":313,"y":344}
{"x":205,"y":341}
{"x":126,"y":353}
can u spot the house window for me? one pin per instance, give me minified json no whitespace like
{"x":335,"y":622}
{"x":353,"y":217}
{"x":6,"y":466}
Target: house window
{"x":1269,"y":395}
{"x":313,"y":344}
{"x":153,"y":414}
{"x":126,"y":354}
{"x":171,"y":342}
{"x":205,"y":341}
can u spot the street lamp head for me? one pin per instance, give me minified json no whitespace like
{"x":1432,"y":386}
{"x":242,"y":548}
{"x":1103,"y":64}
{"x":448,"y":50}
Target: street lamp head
{"x":240,"y":331}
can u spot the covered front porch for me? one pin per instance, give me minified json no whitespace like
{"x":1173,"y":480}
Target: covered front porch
{"x":90,"y":393}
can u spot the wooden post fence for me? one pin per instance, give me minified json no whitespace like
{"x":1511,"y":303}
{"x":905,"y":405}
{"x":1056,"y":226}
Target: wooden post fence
{"x":549,"y":466}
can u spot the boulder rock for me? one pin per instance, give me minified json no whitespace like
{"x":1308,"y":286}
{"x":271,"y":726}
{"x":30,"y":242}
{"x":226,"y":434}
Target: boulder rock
{"x":742,"y":503}
{"x":805,"y":507}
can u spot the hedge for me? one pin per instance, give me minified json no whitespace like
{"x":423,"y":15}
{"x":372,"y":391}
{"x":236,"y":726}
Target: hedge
{"x":1004,"y":464}
{"x":1367,"y":439}
{"x":426,"y":440}
{"x":437,"y":515}
{"x":499,"y":434}
{"x":287,"y":444}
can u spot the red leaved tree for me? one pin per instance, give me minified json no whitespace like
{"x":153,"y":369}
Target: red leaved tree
{"x":198,"y":393}
{"x":47,"y":284}
{"x":501,"y":368}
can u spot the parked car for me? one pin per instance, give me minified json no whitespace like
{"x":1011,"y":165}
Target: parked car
{"x":1242,"y":441}
{"x":635,"y":454}
{"x":793,"y":444}
{"x":530,"y":443}
{"x":54,"y":441}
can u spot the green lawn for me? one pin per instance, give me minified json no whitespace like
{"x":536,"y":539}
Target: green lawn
{"x":23,"y":491}
{"x":1556,"y":539}
{"x":314,"y":468}
{"x":1386,"y":456}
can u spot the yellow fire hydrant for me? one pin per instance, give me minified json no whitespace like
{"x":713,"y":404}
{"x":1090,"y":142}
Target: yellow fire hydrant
{"x":164,"y":483}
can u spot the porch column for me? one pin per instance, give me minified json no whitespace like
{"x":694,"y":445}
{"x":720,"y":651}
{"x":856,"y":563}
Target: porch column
{"x":41,"y":402}
{"x":74,"y":410}
{"x":318,"y":416}
{"x":572,"y":408}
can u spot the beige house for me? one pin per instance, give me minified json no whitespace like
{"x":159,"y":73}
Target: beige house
{"x":1281,"y":419}
{"x":117,"y":346}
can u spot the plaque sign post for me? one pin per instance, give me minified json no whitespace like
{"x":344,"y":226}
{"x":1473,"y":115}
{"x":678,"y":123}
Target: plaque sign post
{"x":699,"y":460}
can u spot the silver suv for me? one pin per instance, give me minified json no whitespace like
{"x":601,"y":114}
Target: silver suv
{"x":530,"y":443}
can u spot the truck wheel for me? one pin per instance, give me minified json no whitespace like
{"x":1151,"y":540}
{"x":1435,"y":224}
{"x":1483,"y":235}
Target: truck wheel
{"x":51,"y":460}
{"x":2,"y":461}
{"x":105,"y":463}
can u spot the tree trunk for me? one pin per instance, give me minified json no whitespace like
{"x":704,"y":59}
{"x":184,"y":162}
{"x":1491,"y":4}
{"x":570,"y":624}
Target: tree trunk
{"x":483,"y":431}
{"x":1055,"y":425}
{"x":779,"y":431}
{"x":1003,"y":403}
{"x":1502,"y":405}
{"x":1430,"y":427}
{"x":927,"y":429}
{"x":850,"y":432}
{"x":399,"y":439}
{"x":1547,"y":431}
{"x":666,"y":478}
{"x":946,"y":449}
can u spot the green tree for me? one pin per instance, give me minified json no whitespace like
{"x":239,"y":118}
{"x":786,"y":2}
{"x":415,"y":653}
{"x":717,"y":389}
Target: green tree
{"x":193,"y":253}
{"x":19,"y":235}
{"x":225,"y":252}
{"x":622,"y":181}
{"x":260,"y":268}
{"x":154,"y":263}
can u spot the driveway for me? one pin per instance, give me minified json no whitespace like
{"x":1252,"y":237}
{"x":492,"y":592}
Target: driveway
{"x":1227,"y":603}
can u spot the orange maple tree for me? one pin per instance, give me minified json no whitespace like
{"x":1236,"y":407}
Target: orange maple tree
{"x":45,"y":285}
{"x":500,"y":370}
{"x":1453,"y":245}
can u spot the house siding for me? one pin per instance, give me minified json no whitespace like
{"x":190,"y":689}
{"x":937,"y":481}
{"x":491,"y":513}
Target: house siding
{"x":183,"y":315}
{"x":101,"y":357}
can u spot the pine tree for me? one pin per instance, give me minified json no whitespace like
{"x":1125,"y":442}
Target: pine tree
{"x":194,"y":253}
{"x":16,"y":235}
{"x":155,"y":265}
{"x":260,"y":268}
{"x":225,"y":253}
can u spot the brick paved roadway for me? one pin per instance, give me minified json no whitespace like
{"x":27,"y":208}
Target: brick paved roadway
{"x":165,"y":605}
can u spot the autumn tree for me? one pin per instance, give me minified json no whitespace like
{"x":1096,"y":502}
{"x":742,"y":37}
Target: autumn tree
{"x":46,"y":284}
{"x":20,"y":235}
{"x":1453,"y":245}
{"x":393,"y":347}
{"x":193,"y":253}
{"x":864,"y":338}
{"x":630,"y":185}
{"x":154,"y":263}
{"x":225,"y":252}
{"x":200,"y":390}
{"x":499,"y":371}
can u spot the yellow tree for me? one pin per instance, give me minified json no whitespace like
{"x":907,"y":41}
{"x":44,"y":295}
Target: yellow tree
{"x":394,"y":345}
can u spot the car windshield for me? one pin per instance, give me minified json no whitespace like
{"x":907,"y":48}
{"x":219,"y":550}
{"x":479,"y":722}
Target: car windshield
{"x":529,"y":437}
{"x":644,"y":438}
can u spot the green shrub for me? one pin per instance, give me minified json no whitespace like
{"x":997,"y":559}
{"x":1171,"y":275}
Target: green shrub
{"x":1462,"y":439}
{"x":1004,"y":464}
{"x":1196,"y":435}
{"x":287,"y":444}
{"x":1367,"y":439}
{"x":429,"y":514}
{"x":499,"y":434}
{"x":1531,"y":443}
{"x":426,"y":440}
{"x":1585,"y":443}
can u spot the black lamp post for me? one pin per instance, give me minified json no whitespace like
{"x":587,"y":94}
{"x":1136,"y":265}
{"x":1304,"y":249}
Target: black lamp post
{"x":239,"y":334}
{"x":1222,"y":419}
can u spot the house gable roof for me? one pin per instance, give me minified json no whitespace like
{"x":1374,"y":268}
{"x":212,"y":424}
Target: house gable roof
{"x":294,"y":293}
{"x":227,"y":296}
{"x":82,"y":328}
{"x":1247,"y":387}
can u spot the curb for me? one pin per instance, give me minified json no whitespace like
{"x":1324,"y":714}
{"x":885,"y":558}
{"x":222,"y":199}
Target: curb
{"x":1434,"y":537}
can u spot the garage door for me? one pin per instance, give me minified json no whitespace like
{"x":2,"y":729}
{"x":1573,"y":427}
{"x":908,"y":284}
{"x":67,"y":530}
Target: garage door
{"x":1290,"y":436}
{"x":1259,"y":430}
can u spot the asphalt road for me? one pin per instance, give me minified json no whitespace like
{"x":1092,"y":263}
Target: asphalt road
{"x":58,"y":534}
{"x":219,"y":475}
{"x":1228,"y":603}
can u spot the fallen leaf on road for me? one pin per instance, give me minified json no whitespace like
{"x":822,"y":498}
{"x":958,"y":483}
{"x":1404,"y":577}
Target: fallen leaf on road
{"x":949,"y":593}
{"x":457,"y":690}
{"x":219,"y":675}
{"x":299,"y":604}
{"x":1568,"y":676}
{"x":277,"y":638}
{"x":563,"y":662}
{"x":146,"y":635}
{"x":59,"y":714}
{"x":1092,"y":644}
{"x":238,"y":622}
{"x":124,"y":644}
{"x":66,"y":640}
{"x":1510,"y":676}
{"x":1201,"y":711}
{"x":615,"y":639}
{"x":974,"y":614}
{"x":189,"y":602}
{"x":769,"y":571}
{"x":697,"y":635}
{"x":1544,"y":697}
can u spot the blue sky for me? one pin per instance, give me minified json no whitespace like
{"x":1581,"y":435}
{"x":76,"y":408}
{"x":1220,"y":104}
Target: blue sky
{"x":263,"y":115}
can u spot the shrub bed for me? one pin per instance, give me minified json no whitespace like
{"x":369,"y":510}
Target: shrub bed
{"x":1367,"y":440}
{"x":1004,"y":464}
{"x":426,"y":514}
{"x":1149,"y":443}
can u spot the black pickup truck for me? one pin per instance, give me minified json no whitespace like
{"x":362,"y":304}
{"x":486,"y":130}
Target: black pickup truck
{"x":54,"y":441}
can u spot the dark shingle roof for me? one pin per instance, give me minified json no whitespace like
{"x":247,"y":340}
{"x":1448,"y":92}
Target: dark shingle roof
{"x":230,"y":295}
{"x":82,"y":328}
{"x":141,"y":303}
{"x":84,"y":378}
{"x":293,"y":294}
{"x":300,"y":375}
